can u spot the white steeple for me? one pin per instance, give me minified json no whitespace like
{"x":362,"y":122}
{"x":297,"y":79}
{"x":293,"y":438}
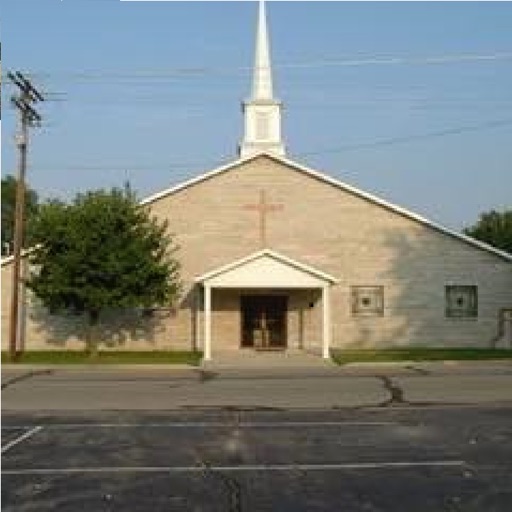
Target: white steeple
{"x":262,"y":75}
{"x":262,"y":113}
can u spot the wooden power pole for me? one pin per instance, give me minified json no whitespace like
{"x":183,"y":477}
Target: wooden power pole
{"x":28,"y":116}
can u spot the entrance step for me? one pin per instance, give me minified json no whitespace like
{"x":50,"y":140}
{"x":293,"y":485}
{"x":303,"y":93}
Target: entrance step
{"x":266,"y":359}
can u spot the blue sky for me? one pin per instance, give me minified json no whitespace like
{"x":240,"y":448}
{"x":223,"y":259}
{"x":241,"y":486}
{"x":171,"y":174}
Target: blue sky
{"x":409,"y":101}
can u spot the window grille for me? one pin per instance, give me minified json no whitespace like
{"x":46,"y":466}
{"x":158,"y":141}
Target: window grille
{"x":461,"y":301}
{"x":367,"y":300}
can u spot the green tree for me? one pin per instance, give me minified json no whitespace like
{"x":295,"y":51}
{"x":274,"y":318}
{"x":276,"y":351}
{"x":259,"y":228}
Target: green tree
{"x":494,"y":228}
{"x":100,"y":252}
{"x":9,"y":184}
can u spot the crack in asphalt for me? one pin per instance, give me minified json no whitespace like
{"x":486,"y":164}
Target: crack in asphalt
{"x":25,"y":376}
{"x":206,"y":376}
{"x":231,"y":485}
{"x":397,"y":398}
{"x":234,"y":489}
{"x":396,"y":392}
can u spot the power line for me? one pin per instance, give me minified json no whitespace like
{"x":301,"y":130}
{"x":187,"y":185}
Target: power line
{"x":200,"y":71}
{"x":423,"y":100}
{"x":494,"y":124}
{"x":411,"y":138}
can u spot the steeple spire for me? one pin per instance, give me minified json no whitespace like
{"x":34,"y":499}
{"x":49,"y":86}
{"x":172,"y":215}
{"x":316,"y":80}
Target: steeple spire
{"x":262,"y":113}
{"x":262,"y":76}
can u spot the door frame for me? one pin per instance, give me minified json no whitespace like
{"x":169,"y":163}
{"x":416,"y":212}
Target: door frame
{"x":505,"y":326}
{"x":247,"y":296}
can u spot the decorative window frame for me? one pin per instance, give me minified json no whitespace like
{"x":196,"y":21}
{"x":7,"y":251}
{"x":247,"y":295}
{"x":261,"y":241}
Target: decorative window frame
{"x":367,"y":300}
{"x":461,"y":301}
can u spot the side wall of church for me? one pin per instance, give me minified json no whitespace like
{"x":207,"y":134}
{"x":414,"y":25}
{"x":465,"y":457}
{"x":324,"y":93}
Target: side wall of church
{"x":355,"y":240}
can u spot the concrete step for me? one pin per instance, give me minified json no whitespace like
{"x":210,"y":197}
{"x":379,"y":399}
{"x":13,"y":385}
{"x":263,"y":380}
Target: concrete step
{"x":261,"y":359}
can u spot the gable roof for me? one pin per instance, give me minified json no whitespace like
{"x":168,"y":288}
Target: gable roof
{"x":326,"y":179}
{"x":277,"y":262}
{"x":338,"y":184}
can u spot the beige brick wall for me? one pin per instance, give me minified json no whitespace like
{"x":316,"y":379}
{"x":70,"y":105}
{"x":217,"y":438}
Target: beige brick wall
{"x":353,"y":239}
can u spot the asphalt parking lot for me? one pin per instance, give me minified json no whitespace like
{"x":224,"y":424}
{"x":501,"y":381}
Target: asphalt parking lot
{"x":413,"y":459}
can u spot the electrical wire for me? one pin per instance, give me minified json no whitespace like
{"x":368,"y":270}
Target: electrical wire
{"x":200,"y":71}
{"x":494,"y":124}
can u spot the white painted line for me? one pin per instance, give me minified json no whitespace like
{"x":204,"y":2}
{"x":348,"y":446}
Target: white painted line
{"x":21,"y":438}
{"x":247,"y":468}
{"x":255,"y":424}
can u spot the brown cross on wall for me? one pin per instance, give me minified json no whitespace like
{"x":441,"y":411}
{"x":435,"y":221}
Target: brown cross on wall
{"x":263,"y":208}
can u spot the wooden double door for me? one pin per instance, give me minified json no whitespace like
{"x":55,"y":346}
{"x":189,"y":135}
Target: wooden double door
{"x":264,"y":321}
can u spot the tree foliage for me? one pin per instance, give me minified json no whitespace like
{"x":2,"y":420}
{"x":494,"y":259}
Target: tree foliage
{"x":100,"y":252}
{"x":494,"y":228}
{"x":9,"y":184}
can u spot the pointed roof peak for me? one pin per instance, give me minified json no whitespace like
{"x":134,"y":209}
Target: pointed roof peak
{"x":262,"y":76}
{"x":262,"y":113}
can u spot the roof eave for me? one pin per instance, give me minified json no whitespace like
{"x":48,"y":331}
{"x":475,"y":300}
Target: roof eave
{"x":266,"y":252}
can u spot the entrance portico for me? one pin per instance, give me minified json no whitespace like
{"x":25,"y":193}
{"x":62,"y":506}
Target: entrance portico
{"x":265,"y":274}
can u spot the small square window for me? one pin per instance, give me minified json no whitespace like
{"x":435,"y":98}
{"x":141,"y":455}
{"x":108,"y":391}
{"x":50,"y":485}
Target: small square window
{"x":461,"y":301}
{"x":367,"y":300}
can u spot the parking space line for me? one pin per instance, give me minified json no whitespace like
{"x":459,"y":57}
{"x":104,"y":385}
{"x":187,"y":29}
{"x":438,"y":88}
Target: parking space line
{"x":245,"y":468}
{"x":21,"y":438}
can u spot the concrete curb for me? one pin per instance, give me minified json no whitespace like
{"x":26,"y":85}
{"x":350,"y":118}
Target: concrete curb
{"x":209,"y":365}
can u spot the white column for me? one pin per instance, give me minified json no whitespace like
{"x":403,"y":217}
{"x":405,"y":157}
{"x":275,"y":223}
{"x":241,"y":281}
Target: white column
{"x":326,"y":308}
{"x":197,"y":317}
{"x":207,"y":355}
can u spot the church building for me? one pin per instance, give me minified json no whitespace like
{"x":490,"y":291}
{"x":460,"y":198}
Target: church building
{"x":278,"y":256}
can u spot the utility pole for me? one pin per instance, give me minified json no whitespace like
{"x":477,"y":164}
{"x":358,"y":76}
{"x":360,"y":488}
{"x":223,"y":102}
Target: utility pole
{"x":28,"y":117}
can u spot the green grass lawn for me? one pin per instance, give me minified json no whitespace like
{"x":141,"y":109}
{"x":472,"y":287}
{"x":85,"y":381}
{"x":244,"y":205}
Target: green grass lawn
{"x":419,"y":354}
{"x":111,"y":357}
{"x":340,"y":356}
